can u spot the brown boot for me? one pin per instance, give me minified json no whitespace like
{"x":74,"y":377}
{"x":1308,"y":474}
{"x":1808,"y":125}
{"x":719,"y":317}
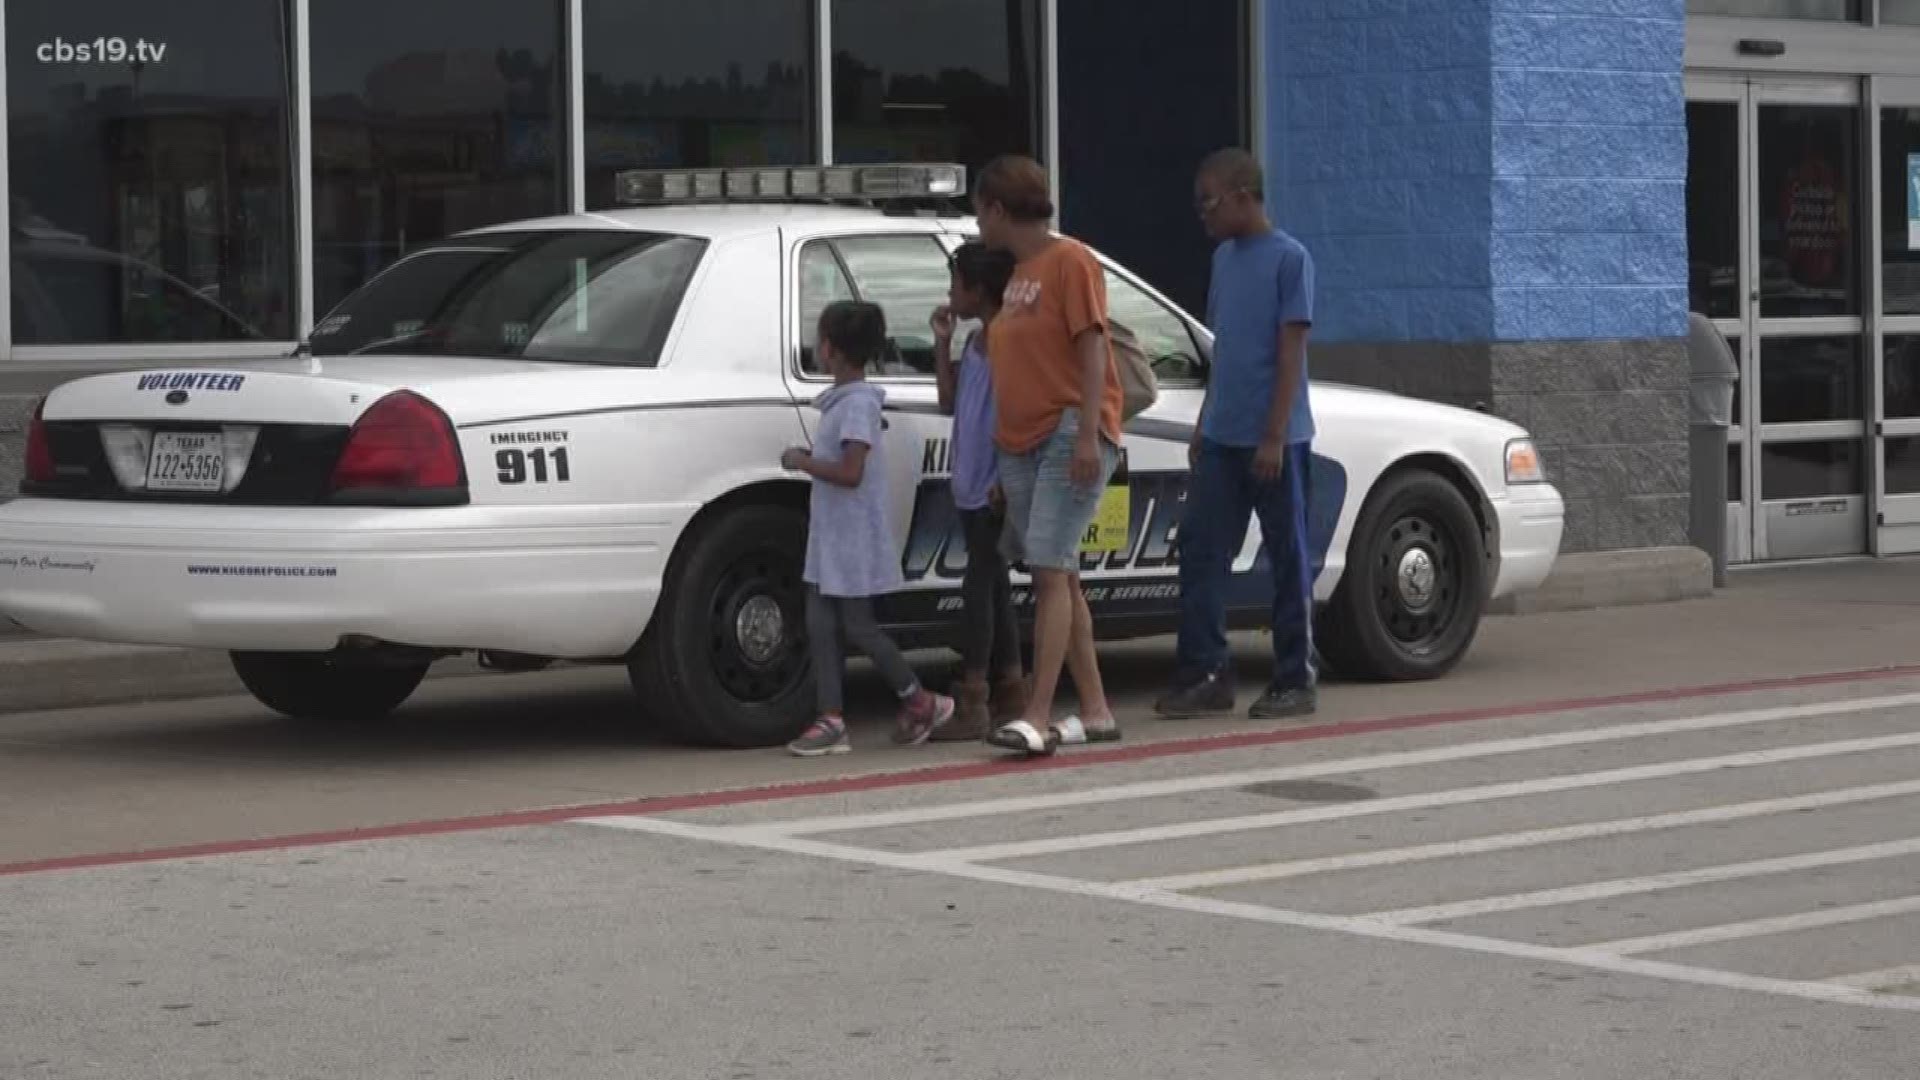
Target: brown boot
{"x":970,"y":721}
{"x":1009,"y":700}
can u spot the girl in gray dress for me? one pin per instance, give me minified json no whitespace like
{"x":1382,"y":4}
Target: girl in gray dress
{"x":851,"y":556}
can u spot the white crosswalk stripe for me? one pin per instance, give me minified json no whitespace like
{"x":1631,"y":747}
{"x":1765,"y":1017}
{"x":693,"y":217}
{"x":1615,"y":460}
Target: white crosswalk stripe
{"x":1830,"y":844}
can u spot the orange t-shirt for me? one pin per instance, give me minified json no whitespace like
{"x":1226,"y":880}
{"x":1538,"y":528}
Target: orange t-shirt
{"x":1053,"y":297}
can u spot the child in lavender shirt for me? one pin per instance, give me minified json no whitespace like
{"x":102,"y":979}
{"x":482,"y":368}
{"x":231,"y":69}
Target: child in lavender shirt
{"x":989,"y":639}
{"x":851,"y":556}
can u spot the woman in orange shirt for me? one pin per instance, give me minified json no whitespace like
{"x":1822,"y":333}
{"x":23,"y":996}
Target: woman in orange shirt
{"x":1057,"y":400}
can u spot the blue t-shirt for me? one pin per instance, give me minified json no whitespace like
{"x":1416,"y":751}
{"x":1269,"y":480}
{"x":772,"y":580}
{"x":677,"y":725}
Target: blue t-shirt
{"x":1260,"y":283}
{"x":975,"y":459}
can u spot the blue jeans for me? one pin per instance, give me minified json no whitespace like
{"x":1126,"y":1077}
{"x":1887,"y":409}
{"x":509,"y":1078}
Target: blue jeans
{"x":1221,"y":495}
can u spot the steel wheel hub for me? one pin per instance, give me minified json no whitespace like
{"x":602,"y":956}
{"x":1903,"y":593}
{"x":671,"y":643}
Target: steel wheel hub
{"x":761,"y":628}
{"x":1416,"y":577}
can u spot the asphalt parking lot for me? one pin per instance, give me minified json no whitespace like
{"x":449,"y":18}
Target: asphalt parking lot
{"x":1671,"y":841}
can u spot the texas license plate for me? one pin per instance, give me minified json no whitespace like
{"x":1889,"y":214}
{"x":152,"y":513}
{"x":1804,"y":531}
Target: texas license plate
{"x":187,"y":461}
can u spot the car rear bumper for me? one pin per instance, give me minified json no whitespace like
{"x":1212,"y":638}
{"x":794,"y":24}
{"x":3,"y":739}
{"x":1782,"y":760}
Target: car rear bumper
{"x":574,"y":582}
{"x":1532,"y":520}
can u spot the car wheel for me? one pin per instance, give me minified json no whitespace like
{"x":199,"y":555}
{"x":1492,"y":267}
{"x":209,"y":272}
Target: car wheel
{"x":1410,"y":601}
{"x":724,"y":661}
{"x":322,"y":688}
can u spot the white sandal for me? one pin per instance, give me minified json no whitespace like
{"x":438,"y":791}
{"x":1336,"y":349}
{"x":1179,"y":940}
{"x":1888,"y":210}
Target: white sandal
{"x":1074,"y":731}
{"x":1022,"y":737}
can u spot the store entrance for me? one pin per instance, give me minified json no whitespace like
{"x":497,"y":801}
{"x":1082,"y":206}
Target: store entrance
{"x":1777,"y":214}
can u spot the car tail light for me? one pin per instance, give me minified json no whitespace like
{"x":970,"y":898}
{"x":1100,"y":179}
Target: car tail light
{"x":39,"y":453}
{"x":403,"y":449}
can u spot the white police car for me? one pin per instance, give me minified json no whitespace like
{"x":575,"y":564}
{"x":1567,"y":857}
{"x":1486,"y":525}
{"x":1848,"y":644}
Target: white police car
{"x":560,"y":439}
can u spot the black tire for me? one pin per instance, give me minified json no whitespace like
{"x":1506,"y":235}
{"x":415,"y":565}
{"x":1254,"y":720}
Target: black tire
{"x":324,"y":689}
{"x":724,"y":660}
{"x":1388,"y":620}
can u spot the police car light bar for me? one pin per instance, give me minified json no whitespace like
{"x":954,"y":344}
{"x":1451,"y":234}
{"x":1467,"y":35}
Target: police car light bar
{"x":827,"y":183}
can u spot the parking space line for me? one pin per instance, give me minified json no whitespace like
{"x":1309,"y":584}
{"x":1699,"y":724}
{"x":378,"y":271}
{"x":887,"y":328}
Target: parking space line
{"x":1480,"y":845}
{"x":1637,"y":886}
{"x":1371,"y":763}
{"x":1587,"y":958}
{"x":1885,"y":979}
{"x":1780,"y":924}
{"x":1187,"y":830}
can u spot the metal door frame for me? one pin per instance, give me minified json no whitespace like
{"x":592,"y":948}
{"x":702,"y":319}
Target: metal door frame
{"x":1748,"y":526}
{"x":1896,"y":516}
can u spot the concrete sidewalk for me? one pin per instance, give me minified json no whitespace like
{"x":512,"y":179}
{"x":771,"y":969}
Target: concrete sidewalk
{"x":1801,"y":619}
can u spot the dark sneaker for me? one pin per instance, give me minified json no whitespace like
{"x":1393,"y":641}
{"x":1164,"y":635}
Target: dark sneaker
{"x":828,"y":735}
{"x":1279,"y":704}
{"x":1211,"y":695}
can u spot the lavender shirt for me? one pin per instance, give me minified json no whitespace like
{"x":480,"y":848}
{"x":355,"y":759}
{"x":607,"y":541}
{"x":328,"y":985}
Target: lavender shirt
{"x":975,"y":465}
{"x":850,"y":548}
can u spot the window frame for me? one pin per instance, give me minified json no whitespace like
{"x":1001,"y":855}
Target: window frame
{"x":796,"y":340}
{"x":948,"y":240}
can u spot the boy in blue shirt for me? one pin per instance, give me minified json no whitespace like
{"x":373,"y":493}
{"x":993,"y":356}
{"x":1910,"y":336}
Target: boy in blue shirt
{"x":1250,"y":450}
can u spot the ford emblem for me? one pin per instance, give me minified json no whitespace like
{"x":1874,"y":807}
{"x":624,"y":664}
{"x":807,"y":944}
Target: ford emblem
{"x":176,"y":397}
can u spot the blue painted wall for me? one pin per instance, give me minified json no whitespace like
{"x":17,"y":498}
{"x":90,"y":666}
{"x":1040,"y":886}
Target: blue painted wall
{"x":1483,"y":170}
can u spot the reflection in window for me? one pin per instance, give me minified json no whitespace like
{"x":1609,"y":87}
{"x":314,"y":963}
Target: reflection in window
{"x":822,"y":282}
{"x":585,"y":296}
{"x":908,"y":277}
{"x":429,"y":117}
{"x":150,"y":189}
{"x":1900,"y":12}
{"x":1845,"y":10}
{"x":1733,"y":343}
{"x":1163,"y":336}
{"x":935,"y":80}
{"x":1810,"y":379}
{"x":1903,"y":465}
{"x":714,"y":83}
{"x":1812,"y":470}
{"x":1900,"y":209}
{"x":1901,"y":379}
{"x":1809,"y":211}
{"x":1713,"y":208}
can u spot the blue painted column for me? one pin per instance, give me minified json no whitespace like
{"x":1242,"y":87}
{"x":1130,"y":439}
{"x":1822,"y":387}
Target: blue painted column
{"x":1494,"y":191}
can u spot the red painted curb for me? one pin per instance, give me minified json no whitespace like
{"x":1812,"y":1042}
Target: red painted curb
{"x":937,"y":774}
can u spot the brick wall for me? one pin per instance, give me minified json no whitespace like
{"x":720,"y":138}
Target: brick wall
{"x":1380,"y":161}
{"x":1494,"y":193}
{"x":1588,"y":198}
{"x":15,"y":412}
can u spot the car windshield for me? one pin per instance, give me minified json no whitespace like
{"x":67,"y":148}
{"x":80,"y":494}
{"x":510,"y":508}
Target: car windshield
{"x":585,"y":296}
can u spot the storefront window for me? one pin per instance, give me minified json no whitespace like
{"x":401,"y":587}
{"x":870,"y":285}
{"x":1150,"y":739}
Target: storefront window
{"x":429,"y":117}
{"x":935,"y":80}
{"x":1713,"y":208}
{"x":1845,"y":10}
{"x":714,"y":83}
{"x":1900,"y":12}
{"x":1900,"y":210}
{"x":149,"y":159}
{"x":1809,"y":214}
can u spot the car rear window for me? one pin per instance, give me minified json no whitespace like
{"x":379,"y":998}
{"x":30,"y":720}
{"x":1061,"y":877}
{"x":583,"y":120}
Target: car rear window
{"x":570,"y":296}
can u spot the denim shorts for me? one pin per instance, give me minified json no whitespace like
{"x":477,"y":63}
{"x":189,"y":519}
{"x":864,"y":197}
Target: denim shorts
{"x":1048,"y":513}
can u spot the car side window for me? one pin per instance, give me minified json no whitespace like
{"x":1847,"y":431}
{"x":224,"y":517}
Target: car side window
{"x":1163,"y":334}
{"x":906,"y":275}
{"x":821,"y":283}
